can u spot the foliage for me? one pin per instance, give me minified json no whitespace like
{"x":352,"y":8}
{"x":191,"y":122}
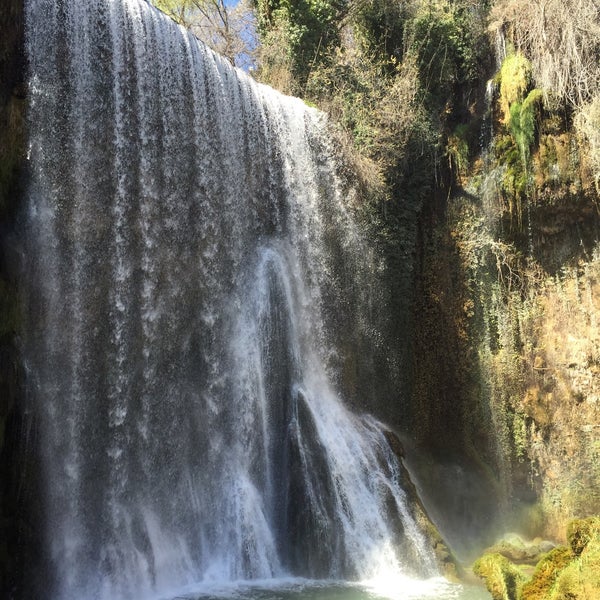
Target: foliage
{"x":393,"y":74}
{"x":457,"y":150}
{"x":178,"y":10}
{"x":448,"y":45}
{"x":301,"y":32}
{"x":379,"y":27}
{"x":562,"y":40}
{"x":519,"y":107}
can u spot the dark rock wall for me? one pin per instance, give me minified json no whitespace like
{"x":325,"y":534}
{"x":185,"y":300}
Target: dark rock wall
{"x":15,"y":521}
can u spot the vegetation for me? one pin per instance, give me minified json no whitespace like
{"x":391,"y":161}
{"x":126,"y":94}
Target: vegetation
{"x":565,"y":573}
{"x":503,"y":579}
{"x":298,"y":36}
{"x":587,"y":123}
{"x":562,"y":41}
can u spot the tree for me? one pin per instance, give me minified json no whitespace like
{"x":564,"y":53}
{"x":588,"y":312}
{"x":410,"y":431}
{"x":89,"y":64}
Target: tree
{"x":229,"y":30}
{"x":298,"y":35}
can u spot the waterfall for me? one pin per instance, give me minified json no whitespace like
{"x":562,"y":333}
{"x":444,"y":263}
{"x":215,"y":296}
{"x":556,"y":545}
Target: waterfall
{"x":191,"y":260}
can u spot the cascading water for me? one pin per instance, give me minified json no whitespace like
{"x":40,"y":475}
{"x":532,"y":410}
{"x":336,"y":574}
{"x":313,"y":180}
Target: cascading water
{"x":185,"y":233}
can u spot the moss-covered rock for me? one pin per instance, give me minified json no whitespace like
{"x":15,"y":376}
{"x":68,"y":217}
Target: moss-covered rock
{"x":581,"y":532}
{"x":580,"y":579}
{"x":520,"y":551}
{"x":540,"y":586}
{"x":565,"y":573}
{"x":503,"y":579}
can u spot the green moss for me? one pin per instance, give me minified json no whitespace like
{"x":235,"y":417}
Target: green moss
{"x":515,"y":79}
{"x":565,"y":573}
{"x":580,"y":532}
{"x":522,"y":124}
{"x":580,"y":580}
{"x":502,"y":578}
{"x":546,"y":572}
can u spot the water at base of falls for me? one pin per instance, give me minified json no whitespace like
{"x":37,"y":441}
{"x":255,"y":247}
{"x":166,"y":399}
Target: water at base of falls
{"x":394,"y":588}
{"x":197,"y":291}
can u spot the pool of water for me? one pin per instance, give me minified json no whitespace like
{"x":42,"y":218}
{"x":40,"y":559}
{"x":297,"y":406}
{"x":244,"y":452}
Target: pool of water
{"x":295,"y":589}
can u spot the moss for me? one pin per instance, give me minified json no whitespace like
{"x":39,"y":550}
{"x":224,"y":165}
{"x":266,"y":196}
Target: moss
{"x":502,"y":578}
{"x":546,"y":572}
{"x":565,"y":573}
{"x":580,"y":580}
{"x":580,"y":532}
{"x":569,"y":572}
{"x":515,"y":79}
{"x":522,"y":123}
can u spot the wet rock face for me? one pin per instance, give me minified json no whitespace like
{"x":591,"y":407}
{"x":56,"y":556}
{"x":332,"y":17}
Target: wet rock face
{"x":510,"y":377}
{"x":12,"y":96}
{"x":13,"y":513}
{"x":445,"y":559}
{"x":11,"y":46}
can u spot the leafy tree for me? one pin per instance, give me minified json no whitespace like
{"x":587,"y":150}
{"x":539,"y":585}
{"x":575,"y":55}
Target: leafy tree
{"x":300,"y":34}
{"x":379,"y":26}
{"x":448,"y":39}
